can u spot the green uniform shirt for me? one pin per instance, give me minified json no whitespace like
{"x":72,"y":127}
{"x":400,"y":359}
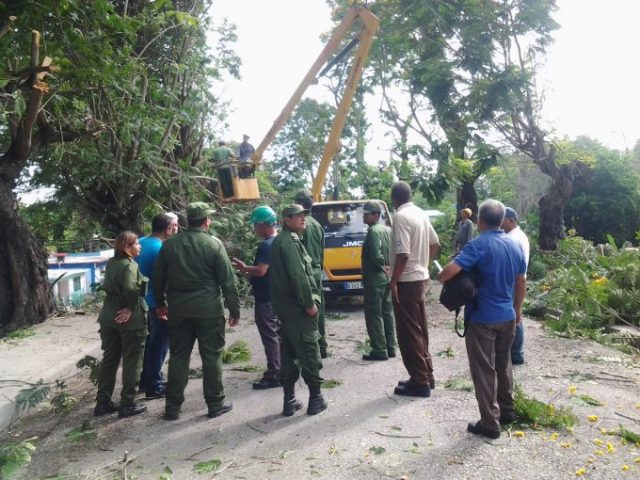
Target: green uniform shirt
{"x":313,"y":241}
{"x":292,"y":285}
{"x":375,"y":254}
{"x":222,"y":154}
{"x":193,"y":274}
{"x":126,"y":288}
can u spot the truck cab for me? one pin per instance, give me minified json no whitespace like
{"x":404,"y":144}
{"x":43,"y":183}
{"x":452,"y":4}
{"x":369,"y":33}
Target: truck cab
{"x":345,"y":232}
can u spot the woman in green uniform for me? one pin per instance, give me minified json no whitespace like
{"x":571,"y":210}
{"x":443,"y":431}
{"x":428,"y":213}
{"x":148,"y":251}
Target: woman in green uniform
{"x":122,"y":328}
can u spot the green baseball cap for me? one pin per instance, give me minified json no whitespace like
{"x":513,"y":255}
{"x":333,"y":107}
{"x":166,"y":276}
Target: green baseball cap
{"x":198,"y":210}
{"x":372,"y":207}
{"x":291,"y":210}
{"x":303,"y":195}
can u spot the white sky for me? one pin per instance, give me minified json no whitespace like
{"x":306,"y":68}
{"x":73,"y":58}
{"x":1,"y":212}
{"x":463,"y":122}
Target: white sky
{"x":590,"y":77}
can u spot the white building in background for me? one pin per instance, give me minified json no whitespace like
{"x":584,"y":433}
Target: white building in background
{"x":76,"y":272}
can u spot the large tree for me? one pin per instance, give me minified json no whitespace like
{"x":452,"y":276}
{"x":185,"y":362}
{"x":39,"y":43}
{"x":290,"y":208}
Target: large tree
{"x":122,"y":124}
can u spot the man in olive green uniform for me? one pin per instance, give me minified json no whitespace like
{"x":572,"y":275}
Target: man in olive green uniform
{"x":295,"y":301}
{"x":378,"y":308}
{"x":193,"y":273}
{"x":313,"y":241}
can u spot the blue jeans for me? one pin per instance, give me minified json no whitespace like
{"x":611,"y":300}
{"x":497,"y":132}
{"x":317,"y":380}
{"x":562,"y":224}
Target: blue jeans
{"x":155,"y":353}
{"x":517,"y":349}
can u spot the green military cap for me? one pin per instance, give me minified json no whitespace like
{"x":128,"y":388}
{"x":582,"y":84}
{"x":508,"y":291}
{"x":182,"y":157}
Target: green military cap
{"x":198,"y":210}
{"x":303,"y":195}
{"x":372,"y":207}
{"x":291,"y":210}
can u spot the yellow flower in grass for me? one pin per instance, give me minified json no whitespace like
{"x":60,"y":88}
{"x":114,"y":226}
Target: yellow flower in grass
{"x":592,"y":418}
{"x":598,"y":452}
{"x":625,"y":468}
{"x":636,"y":460}
{"x":600,"y":281}
{"x":572,"y":389}
{"x":565,"y":445}
{"x":604,"y":431}
{"x":610,"y":447}
{"x":554,"y":436}
{"x":580,"y":472}
{"x":598,"y":442}
{"x":518,"y":433}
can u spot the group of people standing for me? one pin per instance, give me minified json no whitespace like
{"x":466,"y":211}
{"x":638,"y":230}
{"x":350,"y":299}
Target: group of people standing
{"x":192,"y":279}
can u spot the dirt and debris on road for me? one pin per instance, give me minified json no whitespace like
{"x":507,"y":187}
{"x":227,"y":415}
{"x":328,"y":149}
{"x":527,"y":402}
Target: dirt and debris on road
{"x":367,"y":432}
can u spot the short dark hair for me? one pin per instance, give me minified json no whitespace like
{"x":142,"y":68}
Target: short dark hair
{"x":401,"y":192}
{"x":198,"y":222}
{"x":161,"y":222}
{"x":491,"y":212}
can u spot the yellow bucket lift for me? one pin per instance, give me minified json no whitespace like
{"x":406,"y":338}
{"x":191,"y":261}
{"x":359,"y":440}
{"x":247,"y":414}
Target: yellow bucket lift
{"x":232,"y":188}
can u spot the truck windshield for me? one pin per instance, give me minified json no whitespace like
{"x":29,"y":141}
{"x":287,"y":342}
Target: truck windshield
{"x":341,"y":219}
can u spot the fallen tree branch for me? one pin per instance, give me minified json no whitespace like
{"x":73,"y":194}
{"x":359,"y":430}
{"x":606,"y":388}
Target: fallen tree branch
{"x":394,"y":436}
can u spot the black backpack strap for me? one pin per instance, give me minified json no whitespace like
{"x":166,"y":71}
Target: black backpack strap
{"x":464,"y":331}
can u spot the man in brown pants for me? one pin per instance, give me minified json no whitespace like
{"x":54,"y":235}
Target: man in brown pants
{"x":500,"y":266}
{"x":413,"y":243}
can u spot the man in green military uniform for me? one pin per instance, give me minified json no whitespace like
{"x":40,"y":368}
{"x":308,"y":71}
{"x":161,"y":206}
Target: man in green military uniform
{"x":313,"y":241}
{"x":295,"y":301}
{"x":220,"y":155}
{"x":193,"y":274}
{"x":378,"y":308}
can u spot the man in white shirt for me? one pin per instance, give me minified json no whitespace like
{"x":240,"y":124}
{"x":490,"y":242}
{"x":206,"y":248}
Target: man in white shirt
{"x":414,"y":242}
{"x":511,"y":228}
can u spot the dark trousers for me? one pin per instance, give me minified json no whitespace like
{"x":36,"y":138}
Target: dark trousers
{"x":155,"y":353}
{"x":413,"y":336}
{"x":300,"y":352}
{"x":378,"y":315}
{"x":322,"y":342}
{"x":127,"y":345}
{"x":269,"y":329}
{"x":182,"y":336}
{"x":489,"y":352}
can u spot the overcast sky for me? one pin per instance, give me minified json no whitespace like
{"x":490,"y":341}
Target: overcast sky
{"x":590,"y":77}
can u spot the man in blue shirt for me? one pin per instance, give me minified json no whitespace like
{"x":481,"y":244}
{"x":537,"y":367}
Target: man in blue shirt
{"x":500,"y":266}
{"x":264,"y":221}
{"x":163,"y":226}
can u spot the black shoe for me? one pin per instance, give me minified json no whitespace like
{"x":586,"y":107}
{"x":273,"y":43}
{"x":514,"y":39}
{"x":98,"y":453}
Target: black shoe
{"x":391,"y":352}
{"x":265,"y":383}
{"x":432,"y":383}
{"x":131,"y":410}
{"x":412,"y":390}
{"x":102,"y":409}
{"x":155,"y":394}
{"x":324,"y":354}
{"x":221,"y":410}
{"x":317,"y":404}
{"x":517,"y":361}
{"x":372,"y":357}
{"x":477,"y":429}
{"x":171,"y":416}
{"x":290,"y":404}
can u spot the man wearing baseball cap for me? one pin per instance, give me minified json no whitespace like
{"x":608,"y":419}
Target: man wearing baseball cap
{"x":193,"y":274}
{"x":264,"y":220}
{"x":378,"y":307}
{"x":295,"y":300}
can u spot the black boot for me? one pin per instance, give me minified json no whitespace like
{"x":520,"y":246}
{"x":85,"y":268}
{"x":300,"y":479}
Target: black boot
{"x":317,"y":403}
{"x":290,"y":403}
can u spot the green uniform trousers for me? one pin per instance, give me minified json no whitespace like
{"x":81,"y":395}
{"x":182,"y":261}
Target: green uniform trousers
{"x":322,"y":341}
{"x":378,"y":315}
{"x":300,"y":351}
{"x":183,"y":333}
{"x":117,"y":344}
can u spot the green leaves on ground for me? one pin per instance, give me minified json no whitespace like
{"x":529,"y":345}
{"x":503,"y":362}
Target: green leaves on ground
{"x":377,"y":450}
{"x":331,"y":383}
{"x":211,"y":466}
{"x":237,"y":352}
{"x":82,"y":433}
{"x":92,"y":364}
{"x":32,"y":396}
{"x":14,"y":456}
{"x":586,"y":400}
{"x":448,"y":352}
{"x":462,"y":384}
{"x":539,"y":414}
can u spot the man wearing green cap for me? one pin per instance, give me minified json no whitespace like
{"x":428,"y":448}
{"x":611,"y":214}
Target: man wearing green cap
{"x":264,"y":221}
{"x":313,"y":241}
{"x":294,"y":296}
{"x":378,"y":308}
{"x":193,"y":274}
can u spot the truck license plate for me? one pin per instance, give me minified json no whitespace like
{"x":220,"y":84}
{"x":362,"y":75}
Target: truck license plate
{"x":353,"y":285}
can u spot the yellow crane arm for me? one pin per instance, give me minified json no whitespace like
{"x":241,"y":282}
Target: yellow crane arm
{"x":370,"y":25}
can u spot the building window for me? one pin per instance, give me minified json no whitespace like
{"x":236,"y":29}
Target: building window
{"x":77,"y":284}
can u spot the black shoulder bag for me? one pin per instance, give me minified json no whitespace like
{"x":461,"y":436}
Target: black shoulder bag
{"x":457,"y":292}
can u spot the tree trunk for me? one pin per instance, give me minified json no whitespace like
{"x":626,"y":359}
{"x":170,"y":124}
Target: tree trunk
{"x":25,"y":295}
{"x":551,"y":228}
{"x":467,"y":197}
